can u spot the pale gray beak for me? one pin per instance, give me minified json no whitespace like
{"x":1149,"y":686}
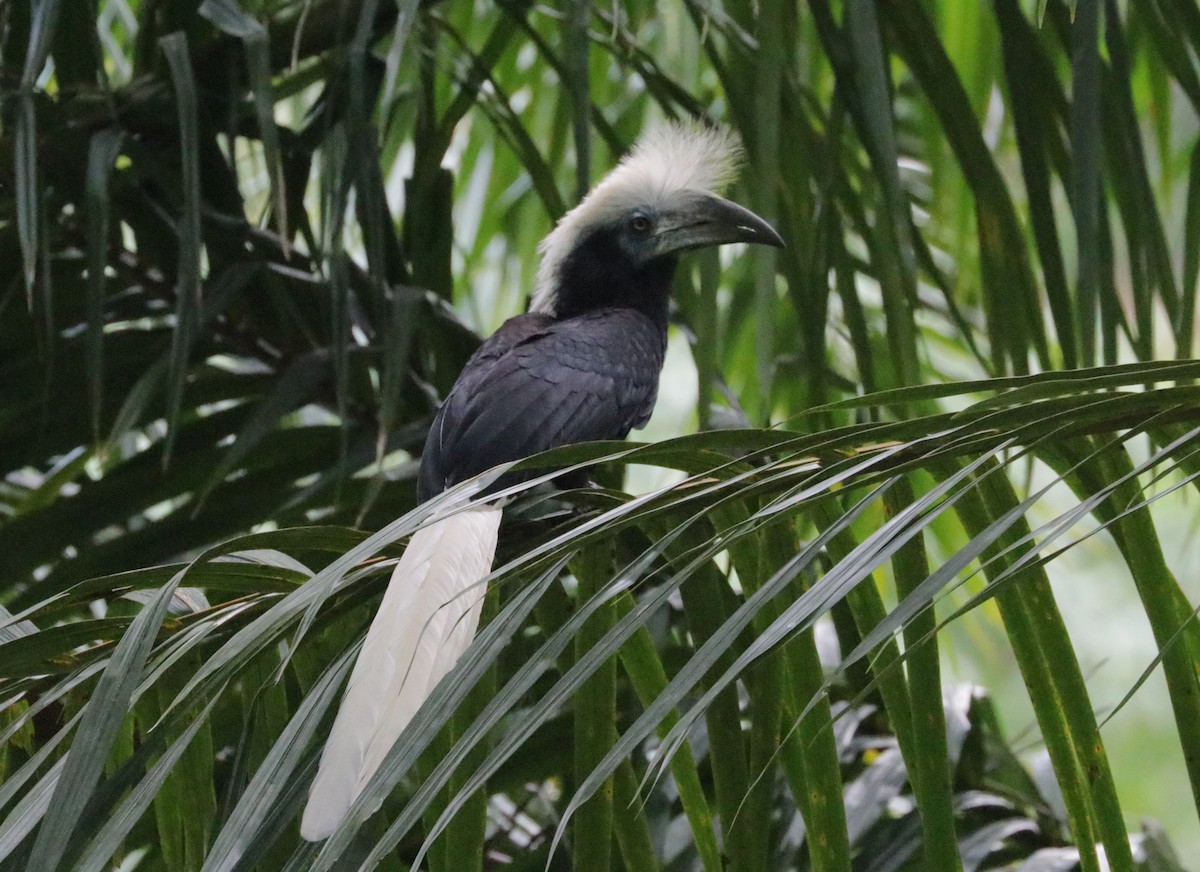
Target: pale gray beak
{"x":707,"y":220}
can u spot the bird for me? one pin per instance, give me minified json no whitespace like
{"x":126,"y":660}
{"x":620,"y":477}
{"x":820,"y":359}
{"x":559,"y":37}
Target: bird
{"x":582,"y":364}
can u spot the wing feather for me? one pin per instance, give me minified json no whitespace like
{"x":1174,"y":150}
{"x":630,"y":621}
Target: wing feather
{"x":556,"y":383}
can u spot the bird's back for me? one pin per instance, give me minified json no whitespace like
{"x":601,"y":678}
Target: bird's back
{"x":540,"y":383}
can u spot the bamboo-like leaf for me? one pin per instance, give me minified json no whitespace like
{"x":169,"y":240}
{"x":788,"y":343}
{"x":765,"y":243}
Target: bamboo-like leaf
{"x":29,"y":212}
{"x":50,"y":697}
{"x":846,"y":574}
{"x":231,"y":18}
{"x":29,"y":810}
{"x":107,"y":708}
{"x":706,"y":606}
{"x":243,"y":828}
{"x":187,"y":289}
{"x":1007,"y":275}
{"x":649,"y":678}
{"x":930,"y":759}
{"x":874,"y":117}
{"x":629,"y":825}
{"x":1075,"y":709}
{"x":1191,"y":257}
{"x":1031,"y":117}
{"x":686,"y":679}
{"x":1085,"y":179}
{"x":117,"y":827}
{"x":32,"y":804}
{"x":103,"y":150}
{"x":1016,"y":612}
{"x":29,"y":652}
{"x":42,"y":29}
{"x":507,"y":125}
{"x":576,"y":46}
{"x":1158,"y":590}
{"x":1033,"y":386}
{"x":595,"y":709}
{"x":1146,"y":231}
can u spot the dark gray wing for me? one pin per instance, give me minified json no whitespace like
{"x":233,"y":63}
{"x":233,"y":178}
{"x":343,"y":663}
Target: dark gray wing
{"x":539,"y":384}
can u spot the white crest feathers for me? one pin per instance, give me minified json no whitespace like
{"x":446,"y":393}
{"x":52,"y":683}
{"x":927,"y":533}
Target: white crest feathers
{"x":666,"y":160}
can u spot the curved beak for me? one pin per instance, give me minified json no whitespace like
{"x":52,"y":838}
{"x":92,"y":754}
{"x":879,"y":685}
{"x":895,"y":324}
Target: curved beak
{"x":707,"y":220}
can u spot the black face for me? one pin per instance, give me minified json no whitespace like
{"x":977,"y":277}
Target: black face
{"x":617,"y":265}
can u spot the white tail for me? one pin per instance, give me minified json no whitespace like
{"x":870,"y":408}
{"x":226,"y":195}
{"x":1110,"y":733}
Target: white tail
{"x":426,"y":621}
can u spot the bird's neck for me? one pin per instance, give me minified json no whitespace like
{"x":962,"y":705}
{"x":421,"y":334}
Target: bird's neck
{"x":592,"y":282}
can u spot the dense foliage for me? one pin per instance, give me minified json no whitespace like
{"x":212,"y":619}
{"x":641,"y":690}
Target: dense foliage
{"x":245,"y":249}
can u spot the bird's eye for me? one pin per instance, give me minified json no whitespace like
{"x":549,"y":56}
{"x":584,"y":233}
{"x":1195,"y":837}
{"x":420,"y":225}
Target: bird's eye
{"x":640,"y":223}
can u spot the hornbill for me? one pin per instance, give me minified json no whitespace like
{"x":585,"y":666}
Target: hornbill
{"x":583,"y":364}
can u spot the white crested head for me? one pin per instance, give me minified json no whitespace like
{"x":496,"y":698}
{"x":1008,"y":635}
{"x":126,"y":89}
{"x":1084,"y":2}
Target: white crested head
{"x":668,"y":160}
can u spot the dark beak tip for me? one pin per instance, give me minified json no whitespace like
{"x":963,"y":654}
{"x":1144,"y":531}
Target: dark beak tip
{"x":752,"y":228}
{"x":763,"y":234}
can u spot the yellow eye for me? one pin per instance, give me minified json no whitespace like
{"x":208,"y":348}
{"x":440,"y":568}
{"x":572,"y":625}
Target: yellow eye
{"x":640,"y":223}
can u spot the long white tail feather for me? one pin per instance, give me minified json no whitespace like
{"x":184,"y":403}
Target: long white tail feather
{"x":427,"y":619}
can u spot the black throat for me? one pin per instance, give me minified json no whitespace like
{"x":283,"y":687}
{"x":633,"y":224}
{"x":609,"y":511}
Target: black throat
{"x":601,"y":274}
